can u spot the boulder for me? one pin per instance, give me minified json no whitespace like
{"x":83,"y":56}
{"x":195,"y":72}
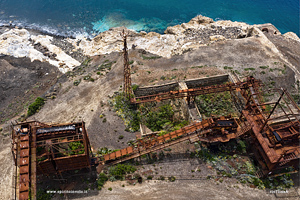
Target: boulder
{"x":217,"y":38}
{"x":174,"y":30}
{"x":201,"y":20}
{"x":291,"y":35}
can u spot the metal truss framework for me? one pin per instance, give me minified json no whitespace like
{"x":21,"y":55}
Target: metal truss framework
{"x":274,"y":132}
{"x":40,"y":148}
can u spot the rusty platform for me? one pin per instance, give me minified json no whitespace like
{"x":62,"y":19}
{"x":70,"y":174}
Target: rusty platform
{"x":40,"y":148}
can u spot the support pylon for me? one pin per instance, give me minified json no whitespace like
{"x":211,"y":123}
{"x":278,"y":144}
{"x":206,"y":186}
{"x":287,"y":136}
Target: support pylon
{"x":127,"y":75}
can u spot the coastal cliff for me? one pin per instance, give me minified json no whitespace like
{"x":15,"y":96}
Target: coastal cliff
{"x":198,"y":32}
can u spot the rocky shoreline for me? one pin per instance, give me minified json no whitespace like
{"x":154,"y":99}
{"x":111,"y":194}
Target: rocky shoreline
{"x":67,"y":53}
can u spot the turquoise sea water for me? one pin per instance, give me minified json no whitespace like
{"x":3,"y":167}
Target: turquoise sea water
{"x":89,"y":17}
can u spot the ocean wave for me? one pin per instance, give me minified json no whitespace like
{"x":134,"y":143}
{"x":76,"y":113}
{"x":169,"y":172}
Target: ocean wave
{"x":48,"y":29}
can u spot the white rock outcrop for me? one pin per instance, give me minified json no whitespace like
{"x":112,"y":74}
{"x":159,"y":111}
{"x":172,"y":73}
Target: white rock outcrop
{"x":18,"y":43}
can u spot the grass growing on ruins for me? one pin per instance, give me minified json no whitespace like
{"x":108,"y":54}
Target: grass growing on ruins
{"x":219,"y":104}
{"x":155,"y":118}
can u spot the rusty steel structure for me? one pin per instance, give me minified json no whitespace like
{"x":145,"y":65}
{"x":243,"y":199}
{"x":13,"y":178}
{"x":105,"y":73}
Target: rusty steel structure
{"x":40,"y":148}
{"x":127,"y":75}
{"x":188,"y":93}
{"x":273,"y":127}
{"x":210,"y":130}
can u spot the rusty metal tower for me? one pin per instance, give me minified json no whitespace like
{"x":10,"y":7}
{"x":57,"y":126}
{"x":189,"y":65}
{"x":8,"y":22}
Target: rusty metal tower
{"x":127,"y":77}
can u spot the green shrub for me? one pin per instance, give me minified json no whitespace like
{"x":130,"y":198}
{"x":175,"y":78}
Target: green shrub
{"x":247,"y":69}
{"x":127,"y":112}
{"x":263,"y":67}
{"x":121,"y":137}
{"x":35,"y":106}
{"x":241,"y":146}
{"x":149,"y":177}
{"x":102,"y":178}
{"x":172,"y":178}
{"x":74,"y":146}
{"x":157,"y":120}
{"x":110,"y":189}
{"x":87,"y":61}
{"x":120,"y":170}
{"x":150,"y":58}
{"x":163,"y":78}
{"x":135,"y":87}
{"x":77,"y":82}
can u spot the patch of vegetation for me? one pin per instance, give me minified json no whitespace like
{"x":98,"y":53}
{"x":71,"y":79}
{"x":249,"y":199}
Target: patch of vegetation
{"x":226,"y":67}
{"x":197,"y":67}
{"x":135,"y":87}
{"x":76,"y":148}
{"x":43,"y":195}
{"x":77,"y":82}
{"x":119,"y":171}
{"x":106,"y":65}
{"x":163,"y":78}
{"x":35,"y":106}
{"x":104,"y":150}
{"x":241,"y":146}
{"x":172,"y":178}
{"x":126,"y":111}
{"x":173,"y":77}
{"x":157,"y":120}
{"x":263,"y":67}
{"x":150,"y":57}
{"x":88,"y":78}
{"x":121,"y":137}
{"x":131,"y":62}
{"x":149,"y":177}
{"x":110,"y":189}
{"x":237,"y":72}
{"x":282,"y":182}
{"x":215,"y":104}
{"x":87,"y":61}
{"x":250,"y":68}
{"x":102,"y":178}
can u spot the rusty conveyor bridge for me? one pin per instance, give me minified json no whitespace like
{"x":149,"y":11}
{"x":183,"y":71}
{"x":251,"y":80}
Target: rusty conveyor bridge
{"x":276,"y":139}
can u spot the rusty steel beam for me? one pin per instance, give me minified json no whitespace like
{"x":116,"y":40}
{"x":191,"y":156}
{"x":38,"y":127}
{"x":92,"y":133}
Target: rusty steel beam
{"x":194,"y":92}
{"x":127,"y":74}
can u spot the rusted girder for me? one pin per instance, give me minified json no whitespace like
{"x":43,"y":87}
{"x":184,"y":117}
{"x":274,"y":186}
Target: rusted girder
{"x":195,"y":92}
{"x":127,"y":74}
